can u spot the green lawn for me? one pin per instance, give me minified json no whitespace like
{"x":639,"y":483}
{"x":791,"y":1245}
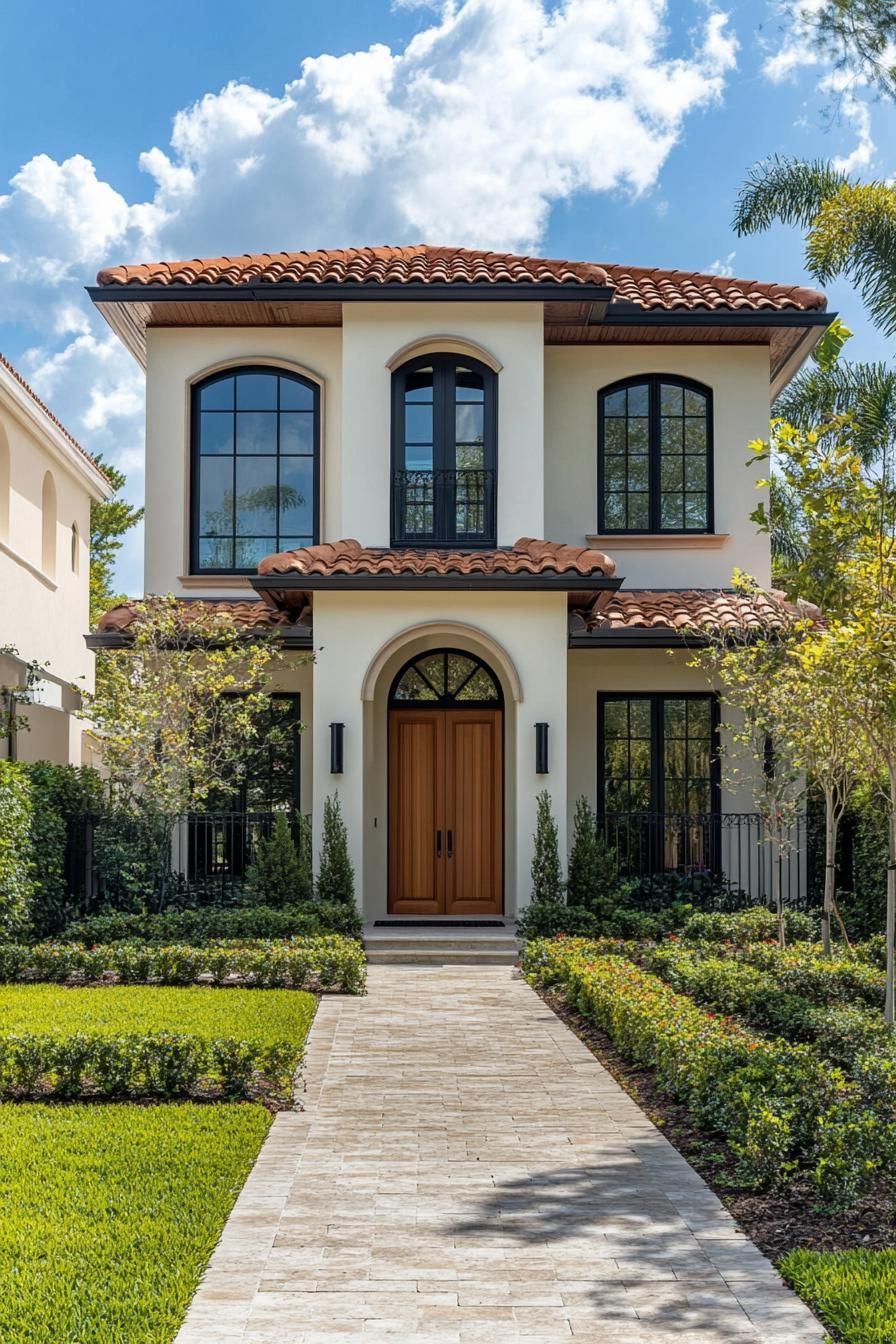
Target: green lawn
{"x":854,"y":1292}
{"x":108,"y":1214}
{"x":266,"y":1016}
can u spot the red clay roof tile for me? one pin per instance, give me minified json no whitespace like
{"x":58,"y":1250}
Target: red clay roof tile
{"x":526,"y":556}
{"x":645,"y":287}
{"x":253,"y":614}
{"x":691,"y":611}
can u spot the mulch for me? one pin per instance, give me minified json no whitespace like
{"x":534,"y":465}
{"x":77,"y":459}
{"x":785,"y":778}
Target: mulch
{"x":777,"y":1221}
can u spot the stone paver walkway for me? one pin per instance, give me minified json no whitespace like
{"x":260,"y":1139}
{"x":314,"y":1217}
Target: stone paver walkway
{"x":465,"y":1170}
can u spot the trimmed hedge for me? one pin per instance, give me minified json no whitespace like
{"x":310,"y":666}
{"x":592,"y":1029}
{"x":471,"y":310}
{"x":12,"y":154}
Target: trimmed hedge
{"x":781,"y":1108}
{"x":756,"y":924}
{"x":108,"y":1215}
{"x":329,"y":963}
{"x":117,"y":1042}
{"x":197,"y":926}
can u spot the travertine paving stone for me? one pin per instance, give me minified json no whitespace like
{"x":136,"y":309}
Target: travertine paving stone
{"x":464,"y":1170}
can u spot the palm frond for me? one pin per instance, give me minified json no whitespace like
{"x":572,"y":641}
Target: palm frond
{"x":865,"y":392}
{"x":786,"y":191}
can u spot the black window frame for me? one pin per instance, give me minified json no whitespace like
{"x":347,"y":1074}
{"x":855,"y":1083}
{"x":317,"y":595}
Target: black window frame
{"x":654,"y":491}
{"x":657,"y":701}
{"x":444,"y":366}
{"x":196,"y":453}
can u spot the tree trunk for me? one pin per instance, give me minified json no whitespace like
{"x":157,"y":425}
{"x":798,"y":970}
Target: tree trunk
{"x":891,"y":900}
{"x":776,"y":882}
{"x":830,"y":872}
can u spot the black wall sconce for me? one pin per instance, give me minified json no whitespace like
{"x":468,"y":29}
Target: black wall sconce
{"x":337,"y":731}
{"x":541,"y":749}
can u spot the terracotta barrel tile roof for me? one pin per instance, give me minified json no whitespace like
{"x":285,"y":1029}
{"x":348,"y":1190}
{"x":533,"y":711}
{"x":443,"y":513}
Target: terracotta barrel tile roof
{"x":254,"y":615}
{"x":526,"y":556}
{"x":693,"y":610}
{"x":421,"y":264}
{"x":10,"y":368}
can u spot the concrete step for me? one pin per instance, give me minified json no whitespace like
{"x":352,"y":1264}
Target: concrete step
{"x":438,"y":955}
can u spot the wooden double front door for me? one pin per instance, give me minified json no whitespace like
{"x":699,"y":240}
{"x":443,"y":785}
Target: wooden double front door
{"x":445,"y":812}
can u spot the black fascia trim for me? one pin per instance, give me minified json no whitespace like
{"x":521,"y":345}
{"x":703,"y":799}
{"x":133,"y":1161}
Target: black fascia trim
{"x":631,"y":314}
{"x":638,"y":639}
{"x":467,"y":583}
{"x":369,"y":291}
{"x":289,"y":636}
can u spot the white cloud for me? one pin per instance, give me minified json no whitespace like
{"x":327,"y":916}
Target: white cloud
{"x":492,"y":113}
{"x":723,"y":267}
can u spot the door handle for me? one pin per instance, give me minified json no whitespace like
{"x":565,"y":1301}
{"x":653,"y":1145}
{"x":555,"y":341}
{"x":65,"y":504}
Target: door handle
{"x":450,"y":844}
{"x":438,"y":844}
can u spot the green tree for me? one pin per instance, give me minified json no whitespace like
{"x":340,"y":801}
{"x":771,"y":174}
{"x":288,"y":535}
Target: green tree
{"x":110,"y":520}
{"x":335,"y":876}
{"x":178,"y":712}
{"x":857,"y":36}
{"x":850,"y":225}
{"x":547,"y":878}
{"x":592,"y":877}
{"x":276,"y":876}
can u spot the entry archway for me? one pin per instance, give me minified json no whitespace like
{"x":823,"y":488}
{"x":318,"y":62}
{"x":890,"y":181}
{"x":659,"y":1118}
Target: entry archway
{"x":446,"y":771}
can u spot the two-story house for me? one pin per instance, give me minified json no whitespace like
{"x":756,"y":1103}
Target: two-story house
{"x":47,"y":485}
{"x":489,"y":492}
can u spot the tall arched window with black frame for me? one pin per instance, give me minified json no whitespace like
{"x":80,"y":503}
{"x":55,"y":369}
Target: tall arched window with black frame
{"x":444,"y":452}
{"x":654,"y":458}
{"x":255,"y":453}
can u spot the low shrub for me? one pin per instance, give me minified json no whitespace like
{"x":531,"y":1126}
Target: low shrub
{"x":544,"y":919}
{"x":854,"y":1292}
{"x":110,"y":1214}
{"x":161,"y":1043}
{"x":756,"y":924}
{"x":327,"y":963}
{"x":198,"y":926}
{"x":780,"y":1107}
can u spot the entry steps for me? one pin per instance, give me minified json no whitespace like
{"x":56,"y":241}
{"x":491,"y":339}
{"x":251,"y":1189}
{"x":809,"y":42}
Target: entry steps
{"x":441,"y":944}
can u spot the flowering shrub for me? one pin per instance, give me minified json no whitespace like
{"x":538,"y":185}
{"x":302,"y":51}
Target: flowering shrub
{"x":780,"y":1106}
{"x":756,"y":924}
{"x":326,"y":963}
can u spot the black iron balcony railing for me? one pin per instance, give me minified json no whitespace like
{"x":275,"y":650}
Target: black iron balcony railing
{"x":444,"y":508}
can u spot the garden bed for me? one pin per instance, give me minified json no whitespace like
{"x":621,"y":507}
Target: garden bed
{"x":108,"y":1214}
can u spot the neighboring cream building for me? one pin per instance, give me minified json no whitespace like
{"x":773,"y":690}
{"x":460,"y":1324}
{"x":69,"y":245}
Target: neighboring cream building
{"x":449,"y":410}
{"x":47,"y":485}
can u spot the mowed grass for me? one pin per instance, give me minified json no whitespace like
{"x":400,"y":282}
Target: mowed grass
{"x":108,"y":1214}
{"x":854,"y":1292}
{"x":263,"y":1015}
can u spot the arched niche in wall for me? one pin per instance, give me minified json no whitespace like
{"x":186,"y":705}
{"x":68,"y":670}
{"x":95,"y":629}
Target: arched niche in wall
{"x":4,"y":485}
{"x":48,"y":526}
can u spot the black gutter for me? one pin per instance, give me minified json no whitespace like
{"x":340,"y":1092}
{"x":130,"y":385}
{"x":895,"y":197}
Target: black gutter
{"x":277,"y":291}
{"x":501,"y":582}
{"x":637,"y":639}
{"x":289,"y":636}
{"x":632,"y":315}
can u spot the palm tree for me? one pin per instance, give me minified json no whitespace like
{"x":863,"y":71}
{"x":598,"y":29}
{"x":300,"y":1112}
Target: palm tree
{"x":866,"y":393}
{"x":850,"y":225}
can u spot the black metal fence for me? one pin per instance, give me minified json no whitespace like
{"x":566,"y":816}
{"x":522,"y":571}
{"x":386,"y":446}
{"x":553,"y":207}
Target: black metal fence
{"x":724,"y":860}
{"x":117,"y":859}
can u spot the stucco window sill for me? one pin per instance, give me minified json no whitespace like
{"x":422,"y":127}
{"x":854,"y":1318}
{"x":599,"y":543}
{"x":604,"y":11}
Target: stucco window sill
{"x":659,"y":541}
{"x":26,"y":564}
{"x":211,"y":581}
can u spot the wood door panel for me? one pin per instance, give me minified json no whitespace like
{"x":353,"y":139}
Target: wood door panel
{"x":474,"y":813}
{"x":416,"y":812}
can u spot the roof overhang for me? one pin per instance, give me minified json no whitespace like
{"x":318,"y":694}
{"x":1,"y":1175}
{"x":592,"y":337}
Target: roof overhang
{"x":29,"y":412}
{"x":288,"y":636}
{"x":282,"y":589}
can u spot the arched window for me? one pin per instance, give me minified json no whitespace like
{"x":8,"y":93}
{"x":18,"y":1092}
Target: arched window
{"x":4,"y":485}
{"x":255,"y":468}
{"x":444,"y":452}
{"x":444,"y":679}
{"x":75,"y":545}
{"x":48,"y":526}
{"x":654,"y":458}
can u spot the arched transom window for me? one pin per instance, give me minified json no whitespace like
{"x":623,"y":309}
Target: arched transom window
{"x":255,"y":455}
{"x":655,"y":456}
{"x":444,"y":679}
{"x":444,"y":452}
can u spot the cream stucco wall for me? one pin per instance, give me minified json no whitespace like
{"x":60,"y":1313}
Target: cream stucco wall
{"x":513,"y":334}
{"x":176,"y":359}
{"x":43,"y":606}
{"x":739,"y":379}
{"x":351,"y":628}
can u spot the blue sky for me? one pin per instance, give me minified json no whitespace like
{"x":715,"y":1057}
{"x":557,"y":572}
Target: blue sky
{"x":611,"y":130}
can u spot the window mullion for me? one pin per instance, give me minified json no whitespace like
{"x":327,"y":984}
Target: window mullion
{"x":657,"y":755}
{"x":653,"y":441}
